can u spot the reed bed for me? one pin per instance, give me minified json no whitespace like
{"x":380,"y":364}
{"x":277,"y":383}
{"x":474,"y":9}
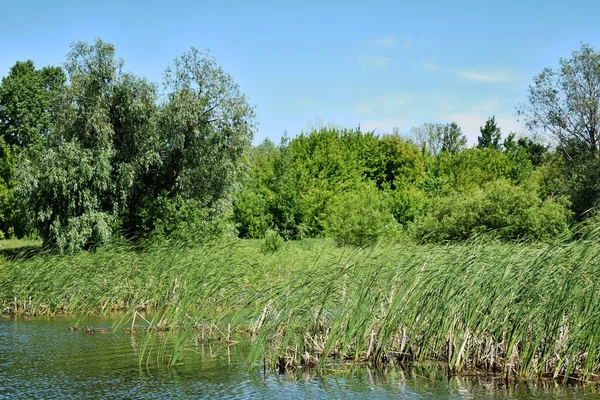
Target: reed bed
{"x":522,"y":310}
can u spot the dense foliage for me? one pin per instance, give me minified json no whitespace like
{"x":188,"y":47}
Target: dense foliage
{"x":109,"y":155}
{"x":90,"y":153}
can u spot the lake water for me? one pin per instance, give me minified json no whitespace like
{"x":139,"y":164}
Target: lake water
{"x":41,"y":358}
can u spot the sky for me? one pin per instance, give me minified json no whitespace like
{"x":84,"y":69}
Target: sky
{"x":377,"y":64}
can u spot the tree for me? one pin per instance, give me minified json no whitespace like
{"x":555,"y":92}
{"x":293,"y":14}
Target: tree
{"x":453,"y":140}
{"x":27,"y":103}
{"x":204,"y":125}
{"x":27,"y":111}
{"x":509,"y":143}
{"x":490,"y":135}
{"x":117,"y":159}
{"x":428,"y":137}
{"x":535,"y":150}
{"x":78,"y":185}
{"x":436,"y":138}
{"x":565,"y":103}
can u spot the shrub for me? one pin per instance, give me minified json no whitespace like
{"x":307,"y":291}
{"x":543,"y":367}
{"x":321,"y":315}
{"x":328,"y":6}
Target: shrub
{"x":272,"y":242}
{"x":406,"y":203}
{"x":360,"y":217}
{"x":512,"y":212}
{"x":184,"y":220}
{"x":251,"y":213}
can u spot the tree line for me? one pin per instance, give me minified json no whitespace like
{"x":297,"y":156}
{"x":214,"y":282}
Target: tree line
{"x":90,"y":153}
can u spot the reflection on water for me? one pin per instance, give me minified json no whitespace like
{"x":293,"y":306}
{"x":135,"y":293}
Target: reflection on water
{"x":41,"y":358}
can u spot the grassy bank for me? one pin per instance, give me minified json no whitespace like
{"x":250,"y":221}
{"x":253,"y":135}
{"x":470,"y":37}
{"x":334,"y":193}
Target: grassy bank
{"x":522,"y":310}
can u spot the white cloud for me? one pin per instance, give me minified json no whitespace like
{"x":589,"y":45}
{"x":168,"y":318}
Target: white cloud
{"x":491,"y":75}
{"x":374,"y":61}
{"x":384,"y":42}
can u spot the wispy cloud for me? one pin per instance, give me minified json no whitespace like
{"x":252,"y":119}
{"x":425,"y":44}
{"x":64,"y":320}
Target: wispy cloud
{"x":407,"y":42}
{"x":401,"y":102}
{"x":490,"y":75}
{"x":487,"y":106}
{"x":381,"y":105}
{"x":430,"y":67}
{"x":374,"y":61}
{"x":384,"y":42}
{"x":305,"y":102}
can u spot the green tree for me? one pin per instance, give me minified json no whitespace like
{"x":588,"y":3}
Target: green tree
{"x":565,"y":103}
{"x":473,"y":168}
{"x":12,"y":221}
{"x":453,"y":140}
{"x":27,"y":110}
{"x":399,"y":162}
{"x":203,"y":127}
{"x":28,"y":99}
{"x":360,"y":216}
{"x":509,"y":211}
{"x":253,"y":205}
{"x":536,"y":151}
{"x":66,"y":187}
{"x":78,"y":185}
{"x":206,"y":124}
{"x":510,"y":144}
{"x":490,"y":135}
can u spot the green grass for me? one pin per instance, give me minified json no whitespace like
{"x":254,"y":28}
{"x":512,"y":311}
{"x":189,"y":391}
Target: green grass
{"x":523,"y":310}
{"x":18,"y":248}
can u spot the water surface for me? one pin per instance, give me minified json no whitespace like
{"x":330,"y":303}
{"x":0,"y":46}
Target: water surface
{"x":41,"y":358}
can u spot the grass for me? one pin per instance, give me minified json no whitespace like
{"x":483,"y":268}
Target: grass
{"x":19,"y":248}
{"x":521,"y":310}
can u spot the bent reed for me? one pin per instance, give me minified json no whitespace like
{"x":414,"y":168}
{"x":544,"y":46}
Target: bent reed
{"x":523,"y":310}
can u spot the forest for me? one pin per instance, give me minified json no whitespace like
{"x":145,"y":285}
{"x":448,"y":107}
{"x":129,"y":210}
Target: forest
{"x":91,"y":154}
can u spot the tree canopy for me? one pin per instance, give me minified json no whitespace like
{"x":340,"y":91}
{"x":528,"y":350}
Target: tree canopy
{"x":90,"y":153}
{"x":565,"y":103}
{"x":113,"y":147}
{"x":490,"y":135}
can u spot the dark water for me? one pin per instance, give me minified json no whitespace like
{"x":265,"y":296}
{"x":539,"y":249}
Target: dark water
{"x":41,"y":359}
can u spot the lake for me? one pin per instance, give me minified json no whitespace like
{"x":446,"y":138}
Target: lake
{"x":41,"y":358}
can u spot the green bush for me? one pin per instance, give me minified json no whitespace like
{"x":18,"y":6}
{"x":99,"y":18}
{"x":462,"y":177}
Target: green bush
{"x":512,"y":212}
{"x":406,"y":203}
{"x":360,"y":217}
{"x":251,"y":213}
{"x":272,"y":242}
{"x":184,"y":220}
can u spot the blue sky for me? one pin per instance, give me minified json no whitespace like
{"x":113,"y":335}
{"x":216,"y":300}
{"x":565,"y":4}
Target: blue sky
{"x":377,"y":64}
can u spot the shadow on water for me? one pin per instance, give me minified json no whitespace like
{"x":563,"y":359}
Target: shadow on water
{"x":41,"y":358}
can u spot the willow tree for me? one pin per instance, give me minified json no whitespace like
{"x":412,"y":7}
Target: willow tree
{"x":121,"y":158}
{"x":77,"y":184}
{"x":204,"y":125}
